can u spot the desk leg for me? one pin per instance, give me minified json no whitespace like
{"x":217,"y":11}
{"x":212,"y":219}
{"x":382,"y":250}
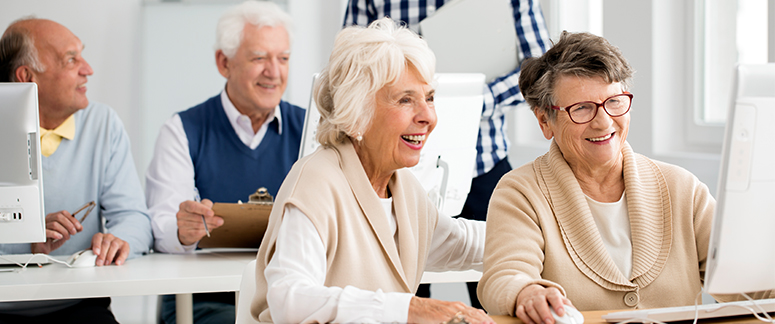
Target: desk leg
{"x":184,"y":309}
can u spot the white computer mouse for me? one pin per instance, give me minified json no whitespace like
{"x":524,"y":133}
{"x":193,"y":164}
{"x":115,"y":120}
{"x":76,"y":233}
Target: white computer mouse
{"x":81,"y":259}
{"x":572,"y":316}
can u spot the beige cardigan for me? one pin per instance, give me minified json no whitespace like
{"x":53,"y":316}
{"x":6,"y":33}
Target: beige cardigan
{"x":540,"y":230}
{"x":331,"y":188}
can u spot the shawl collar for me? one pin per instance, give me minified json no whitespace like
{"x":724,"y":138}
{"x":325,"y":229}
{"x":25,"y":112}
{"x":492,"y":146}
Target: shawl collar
{"x":648,"y":208}
{"x":375,"y":214}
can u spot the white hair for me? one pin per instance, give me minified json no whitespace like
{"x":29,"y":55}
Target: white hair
{"x":228,"y":34}
{"x":363,"y":61}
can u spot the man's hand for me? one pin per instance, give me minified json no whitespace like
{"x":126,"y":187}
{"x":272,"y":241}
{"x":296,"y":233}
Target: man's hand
{"x":109,"y":249}
{"x":59,"y":227}
{"x":191,"y":229}
{"x":426,"y":310}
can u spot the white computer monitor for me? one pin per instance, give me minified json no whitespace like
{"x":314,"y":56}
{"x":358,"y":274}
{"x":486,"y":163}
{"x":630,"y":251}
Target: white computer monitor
{"x":741,"y":254}
{"x":22,"y":215}
{"x":447,"y":160}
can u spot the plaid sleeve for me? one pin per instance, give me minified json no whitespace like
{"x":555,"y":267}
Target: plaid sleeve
{"x":358,"y":13}
{"x":503,"y":93}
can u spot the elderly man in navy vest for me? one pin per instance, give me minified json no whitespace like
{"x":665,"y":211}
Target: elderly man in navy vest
{"x":225,"y":148}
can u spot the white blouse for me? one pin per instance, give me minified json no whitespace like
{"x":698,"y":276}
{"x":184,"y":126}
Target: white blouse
{"x":613,"y":223}
{"x":296,"y":274}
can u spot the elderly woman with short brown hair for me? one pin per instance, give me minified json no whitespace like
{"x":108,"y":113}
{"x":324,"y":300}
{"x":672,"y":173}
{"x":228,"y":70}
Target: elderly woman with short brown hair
{"x":352,"y":230}
{"x":591,"y":221}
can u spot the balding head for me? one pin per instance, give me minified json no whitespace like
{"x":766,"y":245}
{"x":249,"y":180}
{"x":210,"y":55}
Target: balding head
{"x":53,"y":61}
{"x":17,"y":48}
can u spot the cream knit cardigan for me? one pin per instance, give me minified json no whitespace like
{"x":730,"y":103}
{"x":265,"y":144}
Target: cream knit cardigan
{"x":331,"y":188}
{"x":540,"y":230}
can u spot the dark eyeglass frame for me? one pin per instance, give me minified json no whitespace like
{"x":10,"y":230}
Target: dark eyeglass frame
{"x":597,"y":107}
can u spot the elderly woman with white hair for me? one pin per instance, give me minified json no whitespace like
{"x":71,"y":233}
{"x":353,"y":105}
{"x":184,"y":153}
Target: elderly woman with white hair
{"x":352,"y":230}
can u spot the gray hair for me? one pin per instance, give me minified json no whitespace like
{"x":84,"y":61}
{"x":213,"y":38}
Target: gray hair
{"x":229,"y":32}
{"x":576,"y":54}
{"x":363,"y":61}
{"x":17,"y":48}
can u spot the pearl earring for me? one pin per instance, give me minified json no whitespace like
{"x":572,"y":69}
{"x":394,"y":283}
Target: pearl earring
{"x":359,"y":137}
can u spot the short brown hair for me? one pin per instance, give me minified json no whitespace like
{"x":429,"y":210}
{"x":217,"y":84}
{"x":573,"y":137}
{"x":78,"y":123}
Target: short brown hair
{"x":578,"y":54}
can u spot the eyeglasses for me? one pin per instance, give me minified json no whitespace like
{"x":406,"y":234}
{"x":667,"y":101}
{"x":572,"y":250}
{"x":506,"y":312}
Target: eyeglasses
{"x":585,"y":111}
{"x":88,"y":207}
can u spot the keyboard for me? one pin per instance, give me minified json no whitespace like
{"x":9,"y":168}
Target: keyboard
{"x":13,"y":259}
{"x":687,"y":313}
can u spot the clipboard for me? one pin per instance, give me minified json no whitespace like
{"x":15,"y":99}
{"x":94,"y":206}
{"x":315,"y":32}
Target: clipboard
{"x":244,"y":225}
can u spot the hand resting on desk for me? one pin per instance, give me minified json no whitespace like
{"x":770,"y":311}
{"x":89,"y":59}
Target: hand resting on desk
{"x":190,"y":226}
{"x":426,"y":310}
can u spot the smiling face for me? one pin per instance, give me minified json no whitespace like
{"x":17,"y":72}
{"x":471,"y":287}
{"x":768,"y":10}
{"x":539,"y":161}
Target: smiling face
{"x":62,"y":86}
{"x":404,"y":116}
{"x":594,"y":145}
{"x":257,"y":75}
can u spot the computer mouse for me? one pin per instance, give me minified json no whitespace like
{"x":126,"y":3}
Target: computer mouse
{"x":572,"y":316}
{"x":81,"y":259}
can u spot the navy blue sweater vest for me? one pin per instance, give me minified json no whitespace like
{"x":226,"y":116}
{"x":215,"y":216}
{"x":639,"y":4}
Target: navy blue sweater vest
{"x":226,"y":170}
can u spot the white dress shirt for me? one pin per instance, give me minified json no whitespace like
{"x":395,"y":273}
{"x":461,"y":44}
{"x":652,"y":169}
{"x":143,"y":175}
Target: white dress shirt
{"x":169,"y":179}
{"x":297,"y":272}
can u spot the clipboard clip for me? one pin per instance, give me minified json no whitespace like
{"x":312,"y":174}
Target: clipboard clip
{"x":261,"y":196}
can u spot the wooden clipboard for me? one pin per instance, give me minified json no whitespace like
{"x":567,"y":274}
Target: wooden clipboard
{"x":244,"y":226}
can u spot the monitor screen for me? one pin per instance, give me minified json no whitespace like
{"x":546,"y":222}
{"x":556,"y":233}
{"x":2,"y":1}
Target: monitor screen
{"x":741,"y":254}
{"x":22,"y":216}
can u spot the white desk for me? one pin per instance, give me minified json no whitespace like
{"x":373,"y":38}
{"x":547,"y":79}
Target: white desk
{"x":451,"y":276}
{"x":154,"y":274}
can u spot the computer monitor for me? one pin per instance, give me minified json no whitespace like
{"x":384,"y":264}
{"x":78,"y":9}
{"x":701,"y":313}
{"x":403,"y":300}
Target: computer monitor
{"x":741,"y":254}
{"x":447,"y":160}
{"x":22,"y":215}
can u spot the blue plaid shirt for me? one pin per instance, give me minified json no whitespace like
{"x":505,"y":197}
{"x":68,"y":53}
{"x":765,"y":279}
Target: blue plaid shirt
{"x":500,"y":95}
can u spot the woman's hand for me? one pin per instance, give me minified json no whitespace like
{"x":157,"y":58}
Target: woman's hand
{"x":426,"y":310}
{"x":533,"y":304}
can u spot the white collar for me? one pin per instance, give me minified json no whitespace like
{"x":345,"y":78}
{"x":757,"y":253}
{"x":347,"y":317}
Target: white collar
{"x":232,"y":113}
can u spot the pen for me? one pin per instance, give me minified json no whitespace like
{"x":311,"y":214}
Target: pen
{"x":197,"y":198}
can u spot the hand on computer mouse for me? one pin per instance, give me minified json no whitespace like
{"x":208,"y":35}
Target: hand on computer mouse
{"x":83,"y":258}
{"x":535,"y":304}
{"x":109,"y":249}
{"x":572,"y":316}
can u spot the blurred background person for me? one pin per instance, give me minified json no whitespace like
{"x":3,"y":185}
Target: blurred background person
{"x":227,"y":147}
{"x":86,"y":158}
